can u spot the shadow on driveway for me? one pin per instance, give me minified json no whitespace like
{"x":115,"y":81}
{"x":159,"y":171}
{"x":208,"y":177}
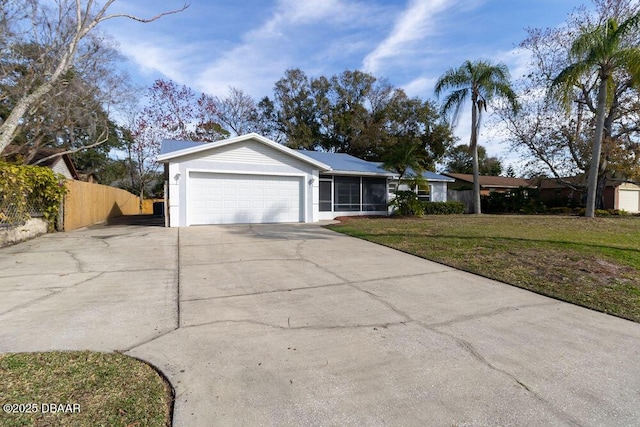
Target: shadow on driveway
{"x":139,"y":220}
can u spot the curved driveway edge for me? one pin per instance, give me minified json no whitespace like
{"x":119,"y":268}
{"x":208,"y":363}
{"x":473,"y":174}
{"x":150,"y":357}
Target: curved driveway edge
{"x":296,"y":325}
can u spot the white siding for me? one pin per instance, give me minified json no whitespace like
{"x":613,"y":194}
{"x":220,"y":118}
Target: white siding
{"x":61,"y":167}
{"x":438,"y":191}
{"x":250,"y":157}
{"x":248,"y":152}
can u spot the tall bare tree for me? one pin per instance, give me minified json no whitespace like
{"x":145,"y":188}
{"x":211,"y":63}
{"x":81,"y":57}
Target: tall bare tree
{"x":58,"y":28}
{"x":75,"y":115}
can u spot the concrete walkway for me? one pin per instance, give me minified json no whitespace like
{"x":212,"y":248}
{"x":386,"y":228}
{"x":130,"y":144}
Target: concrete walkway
{"x":297,"y":325}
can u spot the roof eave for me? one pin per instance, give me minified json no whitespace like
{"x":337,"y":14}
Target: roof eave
{"x":357,"y":173}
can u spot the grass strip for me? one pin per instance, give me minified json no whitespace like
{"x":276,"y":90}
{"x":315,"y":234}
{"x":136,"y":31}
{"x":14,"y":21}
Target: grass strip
{"x":592,"y":262}
{"x":81,"y":388}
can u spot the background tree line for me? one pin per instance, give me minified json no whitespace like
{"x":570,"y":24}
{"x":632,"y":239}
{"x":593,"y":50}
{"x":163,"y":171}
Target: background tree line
{"x":68,"y":78}
{"x":580,"y":109}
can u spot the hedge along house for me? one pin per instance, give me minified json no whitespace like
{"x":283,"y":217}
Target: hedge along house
{"x":251,"y":179}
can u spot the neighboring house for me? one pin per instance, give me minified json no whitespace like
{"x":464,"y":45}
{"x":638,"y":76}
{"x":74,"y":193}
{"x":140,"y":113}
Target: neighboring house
{"x":488,"y":184}
{"x":61,"y":164}
{"x":89,"y":177}
{"x":618,"y":194}
{"x":251,"y":179}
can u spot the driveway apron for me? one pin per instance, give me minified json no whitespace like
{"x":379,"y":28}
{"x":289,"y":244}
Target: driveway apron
{"x":298,"y":325}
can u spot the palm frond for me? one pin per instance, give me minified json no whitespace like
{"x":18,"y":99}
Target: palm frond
{"x":451,"y":79}
{"x":453,"y":103}
{"x":564,"y":84}
{"x":629,"y":25}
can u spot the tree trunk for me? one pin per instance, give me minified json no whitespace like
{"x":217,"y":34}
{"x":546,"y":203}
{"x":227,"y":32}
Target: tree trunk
{"x":141,"y":199}
{"x":85,"y":23}
{"x":10,"y":125}
{"x":592,"y":183}
{"x":474,"y":151}
{"x":602,"y":184}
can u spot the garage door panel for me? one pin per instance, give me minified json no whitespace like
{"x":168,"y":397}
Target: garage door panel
{"x":629,"y":200}
{"x":232,"y":198}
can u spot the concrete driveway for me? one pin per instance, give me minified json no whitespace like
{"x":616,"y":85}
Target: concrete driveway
{"x":297,"y":325}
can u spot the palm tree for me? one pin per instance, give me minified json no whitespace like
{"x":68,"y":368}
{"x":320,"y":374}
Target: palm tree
{"x":605,"y":51}
{"x":402,"y":159}
{"x":481,"y":81}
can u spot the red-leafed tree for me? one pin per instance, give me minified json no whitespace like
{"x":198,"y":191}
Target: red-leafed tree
{"x":170,"y":111}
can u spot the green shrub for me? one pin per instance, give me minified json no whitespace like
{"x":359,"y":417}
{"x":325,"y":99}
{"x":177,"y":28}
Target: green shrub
{"x":25,"y":187}
{"x":519,"y":200}
{"x":620,"y":212}
{"x":602,"y":212}
{"x":406,"y":203}
{"x":443,"y":208}
{"x":561,"y":210}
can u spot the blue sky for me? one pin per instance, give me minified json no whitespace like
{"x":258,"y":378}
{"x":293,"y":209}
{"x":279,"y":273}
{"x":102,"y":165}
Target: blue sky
{"x":249,"y":44}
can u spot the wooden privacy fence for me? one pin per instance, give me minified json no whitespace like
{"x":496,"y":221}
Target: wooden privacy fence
{"x":86,"y":204}
{"x":147,"y":206}
{"x":464,"y":196}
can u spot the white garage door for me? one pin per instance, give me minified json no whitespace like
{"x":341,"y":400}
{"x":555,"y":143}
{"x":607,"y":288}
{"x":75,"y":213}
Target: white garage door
{"x":629,"y":200}
{"x":216,"y":198}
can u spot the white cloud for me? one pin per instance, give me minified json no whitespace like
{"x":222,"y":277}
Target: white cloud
{"x":412,"y":26}
{"x":291,"y":36}
{"x":153,"y":57}
{"x":267,"y":51}
{"x":419,"y":86}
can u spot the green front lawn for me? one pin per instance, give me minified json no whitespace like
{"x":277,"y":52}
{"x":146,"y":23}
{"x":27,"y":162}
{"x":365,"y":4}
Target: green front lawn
{"x":81,"y":389}
{"x":593,"y":262}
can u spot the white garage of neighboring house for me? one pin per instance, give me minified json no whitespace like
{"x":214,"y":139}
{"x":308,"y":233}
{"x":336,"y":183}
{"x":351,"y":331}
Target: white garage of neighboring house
{"x":628,"y":197}
{"x":251,"y":179}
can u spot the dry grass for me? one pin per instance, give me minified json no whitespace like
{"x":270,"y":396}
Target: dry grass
{"x":591,"y":262}
{"x":111,"y":390}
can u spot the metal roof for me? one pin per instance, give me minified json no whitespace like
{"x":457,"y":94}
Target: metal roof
{"x":171,"y":145}
{"x":432,"y":176}
{"x":340,"y":163}
{"x":347,"y":164}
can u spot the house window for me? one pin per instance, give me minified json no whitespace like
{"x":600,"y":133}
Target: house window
{"x":424,"y":192}
{"x":392,"y":187}
{"x":374,"y":194}
{"x":346,"y":194}
{"x":325,"y":194}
